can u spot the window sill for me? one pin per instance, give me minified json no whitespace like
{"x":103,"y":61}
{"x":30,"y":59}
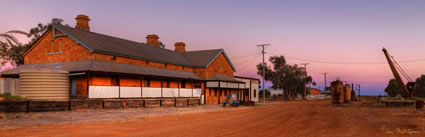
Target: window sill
{"x":51,"y":53}
{"x":59,"y":52}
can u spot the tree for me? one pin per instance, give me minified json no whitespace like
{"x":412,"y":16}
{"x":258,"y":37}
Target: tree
{"x":291,"y":79}
{"x":8,"y":44}
{"x":420,"y":82}
{"x":267,"y":93}
{"x":392,"y":88}
{"x":11,"y":50}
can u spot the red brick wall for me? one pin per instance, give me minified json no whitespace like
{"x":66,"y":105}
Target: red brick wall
{"x":220,"y":66}
{"x":75,"y":52}
{"x":82,"y":88}
{"x":40,"y":52}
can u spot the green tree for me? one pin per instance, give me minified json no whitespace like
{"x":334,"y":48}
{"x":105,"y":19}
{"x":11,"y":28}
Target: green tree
{"x":11,"y":50}
{"x":8,"y":44}
{"x":392,"y":88}
{"x":291,"y":79}
{"x":420,"y":82}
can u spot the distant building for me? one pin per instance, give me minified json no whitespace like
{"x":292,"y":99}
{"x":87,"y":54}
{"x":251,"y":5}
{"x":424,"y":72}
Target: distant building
{"x":275,"y":92}
{"x":315,"y":91}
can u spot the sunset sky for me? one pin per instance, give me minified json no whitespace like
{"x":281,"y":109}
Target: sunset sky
{"x":341,"y":37}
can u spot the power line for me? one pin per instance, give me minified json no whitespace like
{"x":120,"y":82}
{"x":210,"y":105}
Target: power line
{"x":246,"y":61}
{"x":340,"y":63}
{"x":246,"y":66}
{"x":244,"y":56}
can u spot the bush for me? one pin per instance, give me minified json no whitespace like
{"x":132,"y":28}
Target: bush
{"x":7,"y":96}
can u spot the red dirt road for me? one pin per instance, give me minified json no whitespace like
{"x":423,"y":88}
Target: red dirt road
{"x":301,"y":119}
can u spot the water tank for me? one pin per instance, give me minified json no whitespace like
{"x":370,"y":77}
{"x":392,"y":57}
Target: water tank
{"x":44,"y":84}
{"x":337,"y":93}
{"x":347,"y":94}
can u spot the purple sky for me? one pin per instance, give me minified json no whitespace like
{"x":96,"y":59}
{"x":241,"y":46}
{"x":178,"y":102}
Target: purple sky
{"x":326,"y":30}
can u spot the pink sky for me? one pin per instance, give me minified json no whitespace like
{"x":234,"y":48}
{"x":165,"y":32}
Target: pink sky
{"x":329,"y":30}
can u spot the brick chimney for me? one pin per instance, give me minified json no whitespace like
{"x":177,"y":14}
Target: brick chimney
{"x":180,"y":47}
{"x":82,"y":22}
{"x":152,"y":40}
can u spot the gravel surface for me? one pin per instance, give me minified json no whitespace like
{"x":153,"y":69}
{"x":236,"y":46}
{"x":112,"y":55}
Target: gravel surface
{"x":15,"y":120}
{"x":290,"y":118}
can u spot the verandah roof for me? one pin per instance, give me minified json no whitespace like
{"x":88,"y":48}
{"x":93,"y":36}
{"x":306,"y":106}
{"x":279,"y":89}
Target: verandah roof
{"x":103,"y":66}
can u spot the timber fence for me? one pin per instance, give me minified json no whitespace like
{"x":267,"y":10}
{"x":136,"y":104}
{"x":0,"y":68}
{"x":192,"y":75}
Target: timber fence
{"x":79,"y":104}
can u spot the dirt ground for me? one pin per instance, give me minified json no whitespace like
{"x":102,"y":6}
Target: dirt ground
{"x":294,"y":119}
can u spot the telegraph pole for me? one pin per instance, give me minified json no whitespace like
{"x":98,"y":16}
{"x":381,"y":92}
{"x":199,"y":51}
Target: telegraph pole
{"x":264,"y":70}
{"x":359,"y":92}
{"x":305,"y":81}
{"x":324,"y":90}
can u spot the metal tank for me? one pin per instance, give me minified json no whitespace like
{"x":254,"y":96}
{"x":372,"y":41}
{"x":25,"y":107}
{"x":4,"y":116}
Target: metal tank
{"x":44,"y":84}
{"x":347,"y":95}
{"x":337,"y":93}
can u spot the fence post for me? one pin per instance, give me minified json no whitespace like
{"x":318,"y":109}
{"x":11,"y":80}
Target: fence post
{"x":12,"y":87}
{"x":6,"y":86}
{"x":17,"y":87}
{"x":1,"y":86}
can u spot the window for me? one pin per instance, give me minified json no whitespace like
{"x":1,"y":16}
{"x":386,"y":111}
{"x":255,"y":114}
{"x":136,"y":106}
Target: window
{"x":60,"y":46}
{"x":197,"y":85}
{"x":220,"y":65}
{"x":167,"y":84}
{"x":147,"y":83}
{"x":183,"y":84}
{"x":255,"y":93}
{"x":52,"y":47}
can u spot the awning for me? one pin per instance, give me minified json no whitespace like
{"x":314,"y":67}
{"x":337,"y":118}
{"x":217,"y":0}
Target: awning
{"x":103,"y":66}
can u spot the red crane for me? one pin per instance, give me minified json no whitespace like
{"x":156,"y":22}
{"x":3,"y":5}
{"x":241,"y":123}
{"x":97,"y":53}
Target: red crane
{"x":409,"y":89}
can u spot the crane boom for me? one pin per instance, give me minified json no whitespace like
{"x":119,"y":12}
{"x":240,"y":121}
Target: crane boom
{"x":404,"y":92}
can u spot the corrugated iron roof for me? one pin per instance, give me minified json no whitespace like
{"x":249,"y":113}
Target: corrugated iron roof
{"x":104,"y":66}
{"x":110,"y":45}
{"x":219,"y":77}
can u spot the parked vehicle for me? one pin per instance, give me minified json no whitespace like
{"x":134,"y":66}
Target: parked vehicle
{"x":234,"y":103}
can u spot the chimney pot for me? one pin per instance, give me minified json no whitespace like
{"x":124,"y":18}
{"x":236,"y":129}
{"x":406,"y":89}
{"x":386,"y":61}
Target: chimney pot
{"x":152,"y":40}
{"x":180,"y":47}
{"x":82,"y":22}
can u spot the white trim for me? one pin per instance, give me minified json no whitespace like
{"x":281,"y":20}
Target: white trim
{"x":185,"y":92}
{"x":170,"y":92}
{"x":151,"y":92}
{"x":130,"y":92}
{"x":103,"y":91}
{"x":223,"y":84}
{"x":212,"y":84}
